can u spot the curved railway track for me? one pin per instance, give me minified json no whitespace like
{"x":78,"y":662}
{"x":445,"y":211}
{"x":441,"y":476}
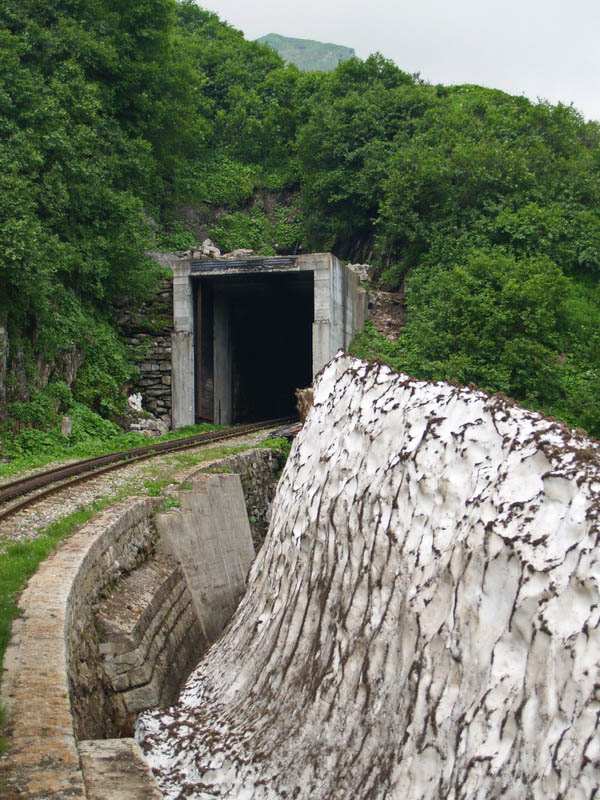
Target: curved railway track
{"x":30,"y":490}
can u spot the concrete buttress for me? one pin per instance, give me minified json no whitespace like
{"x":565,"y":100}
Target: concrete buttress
{"x":209,"y":535}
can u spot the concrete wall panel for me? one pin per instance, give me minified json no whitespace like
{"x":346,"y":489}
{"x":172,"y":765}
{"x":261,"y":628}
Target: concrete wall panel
{"x":210,"y":537}
{"x":182,"y":347}
{"x":321,"y":344}
{"x":182,"y":394}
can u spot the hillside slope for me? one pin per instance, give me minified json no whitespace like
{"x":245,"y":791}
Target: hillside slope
{"x":307,"y":54}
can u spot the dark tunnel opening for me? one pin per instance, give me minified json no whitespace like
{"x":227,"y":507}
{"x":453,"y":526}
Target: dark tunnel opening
{"x":254,"y":345}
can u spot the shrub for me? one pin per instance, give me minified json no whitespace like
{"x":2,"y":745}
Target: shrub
{"x":89,"y":425}
{"x":391,"y":278}
{"x":175,"y":237}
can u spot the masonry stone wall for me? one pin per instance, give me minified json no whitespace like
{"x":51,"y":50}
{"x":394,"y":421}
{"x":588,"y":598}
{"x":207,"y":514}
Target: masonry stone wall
{"x":149,"y":640}
{"x":107,"y":628}
{"x":41,"y":683}
{"x":124,"y":536}
{"x":132,"y":647}
{"x":148,"y":330}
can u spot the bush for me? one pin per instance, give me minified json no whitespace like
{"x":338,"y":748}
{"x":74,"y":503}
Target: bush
{"x":32,"y":441}
{"x":221,"y":182}
{"x":264,"y":233}
{"x":39,"y":412}
{"x":45,"y":404}
{"x":61,"y":394}
{"x":175,"y":237}
{"x":495,"y":320}
{"x":89,"y":425}
{"x":241,"y":229}
{"x":105,"y":371}
{"x":391,"y":278}
{"x":285,"y":228}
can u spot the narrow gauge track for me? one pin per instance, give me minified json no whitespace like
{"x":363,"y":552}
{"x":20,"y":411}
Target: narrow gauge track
{"x":59,"y":478}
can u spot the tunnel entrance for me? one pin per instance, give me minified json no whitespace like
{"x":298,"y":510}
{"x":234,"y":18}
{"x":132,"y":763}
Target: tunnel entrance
{"x":253,"y":344}
{"x":248,"y":331}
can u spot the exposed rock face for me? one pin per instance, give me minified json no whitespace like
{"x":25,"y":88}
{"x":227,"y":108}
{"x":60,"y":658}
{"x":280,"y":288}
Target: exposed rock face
{"x":422,"y":620}
{"x":387,"y":310}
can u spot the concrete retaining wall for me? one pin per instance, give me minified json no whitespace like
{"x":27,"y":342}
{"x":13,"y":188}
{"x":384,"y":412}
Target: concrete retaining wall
{"x":210,"y":537}
{"x":259,"y":480}
{"x":107,"y":628}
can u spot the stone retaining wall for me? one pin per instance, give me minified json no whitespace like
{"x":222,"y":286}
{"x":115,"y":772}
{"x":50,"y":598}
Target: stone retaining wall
{"x":106,"y":628}
{"x":148,"y":330}
{"x":42,"y":663}
{"x":122,"y":537}
{"x":150,"y":640}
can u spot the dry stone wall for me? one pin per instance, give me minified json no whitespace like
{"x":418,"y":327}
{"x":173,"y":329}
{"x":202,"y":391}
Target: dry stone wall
{"x":148,"y":330}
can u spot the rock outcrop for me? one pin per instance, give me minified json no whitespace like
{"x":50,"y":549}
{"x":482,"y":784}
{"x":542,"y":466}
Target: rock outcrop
{"x":422,"y":620}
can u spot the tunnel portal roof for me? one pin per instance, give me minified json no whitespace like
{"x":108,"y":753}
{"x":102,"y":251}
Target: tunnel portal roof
{"x":256,"y":264}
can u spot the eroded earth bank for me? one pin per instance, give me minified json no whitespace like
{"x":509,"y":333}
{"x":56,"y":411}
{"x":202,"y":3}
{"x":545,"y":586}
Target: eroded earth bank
{"x":422,"y":620}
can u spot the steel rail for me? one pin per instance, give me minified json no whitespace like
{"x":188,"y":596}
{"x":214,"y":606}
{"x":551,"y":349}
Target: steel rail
{"x":55,"y":480}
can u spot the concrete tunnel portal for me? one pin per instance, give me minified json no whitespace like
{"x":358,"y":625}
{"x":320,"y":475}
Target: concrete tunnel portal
{"x":258,"y":329}
{"x":249,"y":332}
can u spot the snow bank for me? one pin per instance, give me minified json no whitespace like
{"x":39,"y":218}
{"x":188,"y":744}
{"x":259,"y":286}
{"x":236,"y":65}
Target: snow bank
{"x":422,"y":620}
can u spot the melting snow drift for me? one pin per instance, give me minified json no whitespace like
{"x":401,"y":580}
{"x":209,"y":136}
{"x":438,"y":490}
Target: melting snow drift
{"x":422,"y":620}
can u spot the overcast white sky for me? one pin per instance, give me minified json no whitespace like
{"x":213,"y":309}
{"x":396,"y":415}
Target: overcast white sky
{"x":547,"y":49}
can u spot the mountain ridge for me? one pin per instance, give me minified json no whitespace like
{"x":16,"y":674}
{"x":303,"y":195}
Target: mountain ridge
{"x":308,"y":54}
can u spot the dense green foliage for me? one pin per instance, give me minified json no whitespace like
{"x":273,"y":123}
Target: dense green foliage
{"x":487,"y":207}
{"x":92,"y":435}
{"x":114,"y":116}
{"x":517,"y":326}
{"x":307,"y":54}
{"x":111,"y":114}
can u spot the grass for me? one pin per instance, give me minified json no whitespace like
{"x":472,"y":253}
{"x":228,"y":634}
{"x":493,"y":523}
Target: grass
{"x":19,"y":562}
{"x":155,"y":486}
{"x":97,"y":447}
{"x":222,"y":451}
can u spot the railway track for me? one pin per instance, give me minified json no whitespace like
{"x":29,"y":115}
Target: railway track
{"x":28,"y":491}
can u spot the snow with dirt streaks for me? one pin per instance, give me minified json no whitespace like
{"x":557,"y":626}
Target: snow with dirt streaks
{"x":422,"y":620}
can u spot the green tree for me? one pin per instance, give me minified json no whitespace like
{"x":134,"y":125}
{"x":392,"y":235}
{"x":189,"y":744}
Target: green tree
{"x":345,"y":146}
